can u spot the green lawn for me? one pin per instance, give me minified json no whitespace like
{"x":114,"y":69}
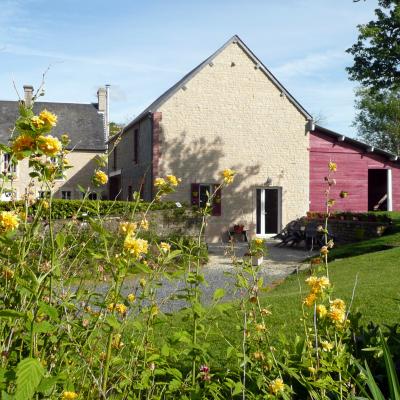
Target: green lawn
{"x":377,"y":293}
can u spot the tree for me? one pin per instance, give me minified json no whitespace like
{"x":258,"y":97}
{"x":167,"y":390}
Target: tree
{"x":377,"y":50}
{"x":114,"y":128}
{"x":378,"y":118}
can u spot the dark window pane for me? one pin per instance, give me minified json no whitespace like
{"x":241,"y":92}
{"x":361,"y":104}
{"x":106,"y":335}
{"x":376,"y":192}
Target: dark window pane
{"x":258,"y":210}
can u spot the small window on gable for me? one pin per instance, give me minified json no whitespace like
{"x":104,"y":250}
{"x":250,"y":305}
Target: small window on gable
{"x":201,"y":194}
{"x":66,"y":194}
{"x":136,"y":146}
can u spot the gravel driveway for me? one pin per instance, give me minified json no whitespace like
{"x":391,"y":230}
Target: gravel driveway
{"x":218,"y":273}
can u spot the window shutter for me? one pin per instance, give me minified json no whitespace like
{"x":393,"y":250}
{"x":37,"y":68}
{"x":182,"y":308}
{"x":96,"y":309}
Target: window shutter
{"x":216,"y":206}
{"x":195,"y":194}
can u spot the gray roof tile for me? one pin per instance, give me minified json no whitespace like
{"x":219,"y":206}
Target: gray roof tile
{"x":82,"y":122}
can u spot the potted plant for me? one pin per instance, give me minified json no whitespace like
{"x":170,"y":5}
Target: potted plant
{"x":257,"y":251}
{"x":238,"y":228}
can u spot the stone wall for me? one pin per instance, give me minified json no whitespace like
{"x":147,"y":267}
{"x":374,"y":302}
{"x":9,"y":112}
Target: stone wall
{"x":165,"y":222}
{"x":355,"y":231}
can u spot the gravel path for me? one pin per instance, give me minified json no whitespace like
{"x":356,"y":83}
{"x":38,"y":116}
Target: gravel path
{"x":219,"y":273}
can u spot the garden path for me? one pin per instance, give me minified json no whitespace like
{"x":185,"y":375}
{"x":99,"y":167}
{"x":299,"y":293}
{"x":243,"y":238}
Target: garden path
{"x":219,"y":273}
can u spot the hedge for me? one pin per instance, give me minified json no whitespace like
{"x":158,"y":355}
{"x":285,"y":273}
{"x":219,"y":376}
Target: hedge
{"x":62,"y":209}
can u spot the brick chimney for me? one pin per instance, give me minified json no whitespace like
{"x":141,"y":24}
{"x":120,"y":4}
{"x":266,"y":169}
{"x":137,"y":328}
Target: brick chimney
{"x":103,"y":107}
{"x":28,"y":95}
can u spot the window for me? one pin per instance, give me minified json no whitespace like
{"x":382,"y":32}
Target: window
{"x":66,"y":194}
{"x":92,"y":196}
{"x":44,"y":194}
{"x":130,"y":193}
{"x":136,"y":146}
{"x":201,"y":193}
{"x":9,"y":166}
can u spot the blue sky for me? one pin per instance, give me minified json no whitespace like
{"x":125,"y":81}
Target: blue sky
{"x":143,"y":47}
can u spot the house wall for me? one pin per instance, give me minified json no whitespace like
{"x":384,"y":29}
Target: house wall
{"x":81,"y":173}
{"x":351,"y":175}
{"x":230,"y":115}
{"x":134,"y":174}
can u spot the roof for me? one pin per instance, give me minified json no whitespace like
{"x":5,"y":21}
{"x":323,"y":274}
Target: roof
{"x":173,"y":89}
{"x":82,"y":122}
{"x":361,"y":145}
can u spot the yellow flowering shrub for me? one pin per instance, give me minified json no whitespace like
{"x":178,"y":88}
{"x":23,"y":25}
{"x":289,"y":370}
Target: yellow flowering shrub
{"x":48,"y":118}
{"x":22,"y":143}
{"x":49,"y":145}
{"x":173,"y":180}
{"x":136,"y":247}
{"x":9,"y":221}
{"x":128,"y":228}
{"x":100,"y":178}
{"x":69,"y":395}
{"x":165,"y":247}
{"x":276,"y":386}
{"x":228,"y":175}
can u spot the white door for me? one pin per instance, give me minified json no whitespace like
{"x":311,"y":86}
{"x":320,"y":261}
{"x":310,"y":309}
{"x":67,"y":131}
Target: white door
{"x":268,"y":211}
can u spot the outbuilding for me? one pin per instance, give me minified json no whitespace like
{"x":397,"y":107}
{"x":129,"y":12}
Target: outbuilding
{"x":370,"y":177}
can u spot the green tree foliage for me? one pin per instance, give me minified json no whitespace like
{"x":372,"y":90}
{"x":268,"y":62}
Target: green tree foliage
{"x":114,"y":128}
{"x":377,"y":50}
{"x":378,"y":118}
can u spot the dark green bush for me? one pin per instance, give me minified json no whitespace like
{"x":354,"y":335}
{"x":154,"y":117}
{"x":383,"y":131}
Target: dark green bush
{"x":62,"y":209}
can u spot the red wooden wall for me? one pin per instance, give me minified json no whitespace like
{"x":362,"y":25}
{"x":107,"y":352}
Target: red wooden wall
{"x":351,"y":175}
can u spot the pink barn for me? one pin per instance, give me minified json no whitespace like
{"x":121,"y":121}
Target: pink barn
{"x":370,"y":176}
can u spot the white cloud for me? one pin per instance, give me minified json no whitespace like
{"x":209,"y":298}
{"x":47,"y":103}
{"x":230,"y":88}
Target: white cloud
{"x":310,"y":64}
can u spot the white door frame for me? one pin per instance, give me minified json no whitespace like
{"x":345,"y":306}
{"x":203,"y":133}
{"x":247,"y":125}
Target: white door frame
{"x":389,"y":190}
{"x":279,"y":216}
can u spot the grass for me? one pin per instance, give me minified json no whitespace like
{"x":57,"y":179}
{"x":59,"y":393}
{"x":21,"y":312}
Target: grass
{"x":377,"y":294}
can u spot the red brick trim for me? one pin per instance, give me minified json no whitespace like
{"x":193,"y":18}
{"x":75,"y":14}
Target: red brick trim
{"x":157,"y":117}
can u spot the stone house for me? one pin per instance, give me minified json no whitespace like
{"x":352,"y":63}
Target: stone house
{"x":86,"y":126}
{"x":228,"y":112}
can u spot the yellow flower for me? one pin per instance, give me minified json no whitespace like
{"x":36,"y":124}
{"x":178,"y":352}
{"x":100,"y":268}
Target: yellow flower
{"x":326,"y":346}
{"x":317,"y":285}
{"x":69,"y":395}
{"x":49,"y":145}
{"x":258,"y":241}
{"x":121,"y":308}
{"x":339,"y":304}
{"x":142,"y":282}
{"x":137,"y":247}
{"x":265,"y":312}
{"x":159,"y":182}
{"x":321,"y":311}
{"x":144,"y":224}
{"x":37,"y":122}
{"x":165,"y":247}
{"x":23,"y":143}
{"x":312,"y":370}
{"x":100,"y":178}
{"x":48,"y":118}
{"x":260,"y":328}
{"x":131,"y":297}
{"x":258,"y":355}
{"x":173,"y":180}
{"x":9,"y":221}
{"x":8,"y":273}
{"x":310,"y":299}
{"x":332,"y":166}
{"x":337,"y":316}
{"x":128,"y":228}
{"x":154,"y":310}
{"x":228,"y":175}
{"x":276,"y":386}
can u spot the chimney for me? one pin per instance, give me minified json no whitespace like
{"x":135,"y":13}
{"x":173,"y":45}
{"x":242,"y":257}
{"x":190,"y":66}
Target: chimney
{"x":103,"y":107}
{"x":28,"y":95}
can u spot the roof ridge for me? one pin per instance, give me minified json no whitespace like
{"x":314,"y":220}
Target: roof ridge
{"x":175,"y":87}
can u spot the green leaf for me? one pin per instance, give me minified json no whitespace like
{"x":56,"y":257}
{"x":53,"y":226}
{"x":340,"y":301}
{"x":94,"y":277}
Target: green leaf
{"x":218,"y":294}
{"x":29,"y":375}
{"x":11,"y":314}
{"x":47,"y":384}
{"x":393,"y":381}
{"x":60,"y":240}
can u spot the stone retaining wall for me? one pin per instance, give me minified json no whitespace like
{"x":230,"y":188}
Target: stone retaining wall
{"x":354,"y":231}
